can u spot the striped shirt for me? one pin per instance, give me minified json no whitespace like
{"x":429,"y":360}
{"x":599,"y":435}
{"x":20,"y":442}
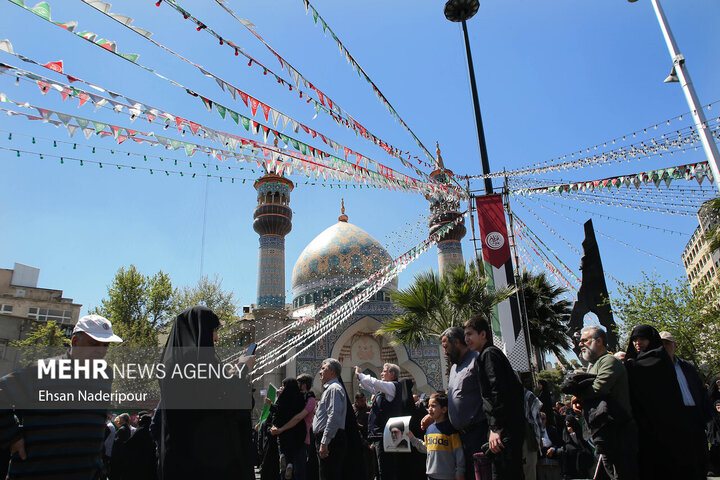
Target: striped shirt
{"x":60,"y":444}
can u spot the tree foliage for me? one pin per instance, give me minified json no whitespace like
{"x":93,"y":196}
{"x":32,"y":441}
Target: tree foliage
{"x":692,"y":318}
{"x":547,"y":313}
{"x":137,"y":305}
{"x":712,"y":236}
{"x":433,"y":303}
{"x":554,"y":378}
{"x":210,"y":293}
{"x":43,"y":339}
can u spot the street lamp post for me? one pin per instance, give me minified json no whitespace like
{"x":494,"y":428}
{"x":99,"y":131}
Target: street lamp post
{"x":682,"y":75}
{"x":460,"y":11}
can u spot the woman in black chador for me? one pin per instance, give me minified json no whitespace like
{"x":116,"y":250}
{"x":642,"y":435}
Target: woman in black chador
{"x":656,"y":405}
{"x":202,"y":443}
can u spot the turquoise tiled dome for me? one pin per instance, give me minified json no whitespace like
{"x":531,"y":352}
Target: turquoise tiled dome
{"x":336,"y":259}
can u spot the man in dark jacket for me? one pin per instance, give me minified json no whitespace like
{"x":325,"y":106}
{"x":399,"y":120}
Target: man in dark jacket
{"x":503,"y":401}
{"x":548,"y":466}
{"x":697,"y":411}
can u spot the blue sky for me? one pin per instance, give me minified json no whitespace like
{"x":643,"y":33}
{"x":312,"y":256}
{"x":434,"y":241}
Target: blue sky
{"x":553,"y":78}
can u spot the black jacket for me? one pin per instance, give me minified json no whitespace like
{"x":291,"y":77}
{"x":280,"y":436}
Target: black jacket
{"x":502,"y":392}
{"x":697,"y":389}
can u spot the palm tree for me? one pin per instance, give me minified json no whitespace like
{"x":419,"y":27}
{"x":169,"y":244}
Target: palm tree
{"x":433,"y":303}
{"x":547,"y":314}
{"x":712,"y":236}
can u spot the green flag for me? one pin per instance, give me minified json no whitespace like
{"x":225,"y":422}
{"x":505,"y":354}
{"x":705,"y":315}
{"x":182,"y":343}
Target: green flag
{"x":271,"y":394}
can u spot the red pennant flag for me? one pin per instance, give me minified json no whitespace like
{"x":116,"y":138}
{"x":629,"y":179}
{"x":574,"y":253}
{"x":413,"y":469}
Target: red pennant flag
{"x":266,"y":110}
{"x":65,"y":92}
{"x":44,"y":87}
{"x":55,"y":66}
{"x":254,"y":105}
{"x":82,"y":98}
{"x":194,"y":127}
{"x":313,"y":133}
{"x":307,"y":130}
{"x":347,"y":152}
{"x":121,"y":139}
{"x":244,"y":97}
{"x":179,"y":122}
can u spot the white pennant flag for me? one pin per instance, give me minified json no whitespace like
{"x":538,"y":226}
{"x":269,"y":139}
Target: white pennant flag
{"x":71,"y":129}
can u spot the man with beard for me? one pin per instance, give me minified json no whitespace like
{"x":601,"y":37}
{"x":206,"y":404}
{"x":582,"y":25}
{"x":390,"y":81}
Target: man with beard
{"x":618,"y":442}
{"x":464,"y":395}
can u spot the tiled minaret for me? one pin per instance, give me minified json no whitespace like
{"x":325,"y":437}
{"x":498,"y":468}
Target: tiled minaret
{"x":272,"y":220}
{"x":442,"y":211}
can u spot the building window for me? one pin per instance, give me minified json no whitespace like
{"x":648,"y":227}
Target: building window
{"x":49,"y":315}
{"x":3,"y":348}
{"x":6,"y":308}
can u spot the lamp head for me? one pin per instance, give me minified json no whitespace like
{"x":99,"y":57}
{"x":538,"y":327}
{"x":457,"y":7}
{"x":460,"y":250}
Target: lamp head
{"x":460,"y":10}
{"x":672,"y":78}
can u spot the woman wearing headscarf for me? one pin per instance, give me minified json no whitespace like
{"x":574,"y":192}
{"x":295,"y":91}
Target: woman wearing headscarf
{"x":290,"y":402}
{"x":576,"y":455}
{"x":140,"y":452}
{"x":210,"y":443}
{"x":656,"y":404}
{"x":546,"y":398}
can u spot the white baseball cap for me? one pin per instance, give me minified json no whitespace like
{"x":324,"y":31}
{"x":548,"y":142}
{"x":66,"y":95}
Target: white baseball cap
{"x":98,"y":328}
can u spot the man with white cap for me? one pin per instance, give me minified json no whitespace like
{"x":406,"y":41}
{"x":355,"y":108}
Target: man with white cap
{"x":697,"y":411}
{"x":55,"y":443}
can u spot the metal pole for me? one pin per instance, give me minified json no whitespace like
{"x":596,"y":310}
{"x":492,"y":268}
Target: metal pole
{"x":521,"y":291}
{"x":708,"y":142}
{"x":472,"y":225}
{"x":478,"y":117}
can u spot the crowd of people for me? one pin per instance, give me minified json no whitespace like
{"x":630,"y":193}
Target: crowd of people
{"x":643,"y":414}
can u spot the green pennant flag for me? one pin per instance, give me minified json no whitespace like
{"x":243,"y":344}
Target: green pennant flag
{"x":315,"y":16}
{"x":285,"y":139}
{"x":303,"y":148}
{"x":189,"y":149}
{"x":99,"y":127}
{"x":221,"y":110}
{"x":234,"y":115}
{"x":246,"y":123}
{"x":130,"y":56}
{"x":175,"y":144}
{"x":295,"y":144}
{"x":19,"y":2}
{"x":42,"y":10}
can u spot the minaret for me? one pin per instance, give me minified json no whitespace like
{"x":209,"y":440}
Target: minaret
{"x":272,"y":220}
{"x":442,"y":211}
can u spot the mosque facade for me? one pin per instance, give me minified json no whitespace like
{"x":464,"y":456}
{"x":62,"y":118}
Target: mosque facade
{"x":338,"y":258}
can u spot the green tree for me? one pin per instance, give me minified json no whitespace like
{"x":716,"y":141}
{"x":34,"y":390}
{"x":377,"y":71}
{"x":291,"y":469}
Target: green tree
{"x":547,"y":314}
{"x":210,"y":293}
{"x":554,"y":378}
{"x":692,"y":318}
{"x":431,"y":304}
{"x":137,"y":305}
{"x":41,"y":342}
{"x":712,"y":235}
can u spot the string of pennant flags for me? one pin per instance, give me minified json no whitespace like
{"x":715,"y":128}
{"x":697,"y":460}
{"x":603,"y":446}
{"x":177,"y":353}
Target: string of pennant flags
{"x":623,"y":138}
{"x":319,"y":164}
{"x":633,"y":202}
{"x":337,"y":113}
{"x":355,"y":297}
{"x":356,"y":67}
{"x":679,"y":141}
{"x":537,"y":240}
{"x":612,"y":203}
{"x":542,"y":201}
{"x":526,"y":262}
{"x":615,"y":239}
{"x":138,"y":108}
{"x":698,"y":171}
{"x":529,"y":245}
{"x":298,"y":78}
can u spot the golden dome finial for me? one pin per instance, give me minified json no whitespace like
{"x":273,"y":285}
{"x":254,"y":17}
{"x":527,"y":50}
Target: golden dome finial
{"x":439,"y":156}
{"x":342,"y":217}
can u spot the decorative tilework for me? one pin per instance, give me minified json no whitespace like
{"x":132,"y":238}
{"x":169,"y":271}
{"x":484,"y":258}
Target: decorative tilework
{"x":271,"y":187}
{"x":342,"y":254}
{"x":271,"y":272}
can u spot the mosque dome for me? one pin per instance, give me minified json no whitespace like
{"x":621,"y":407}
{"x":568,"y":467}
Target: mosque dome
{"x":335,"y":260}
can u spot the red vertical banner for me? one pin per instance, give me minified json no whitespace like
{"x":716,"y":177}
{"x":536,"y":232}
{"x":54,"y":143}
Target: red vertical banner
{"x":493,"y":231}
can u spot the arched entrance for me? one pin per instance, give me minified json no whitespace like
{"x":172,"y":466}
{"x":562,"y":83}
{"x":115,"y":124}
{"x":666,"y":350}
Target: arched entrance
{"x":358,"y":345}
